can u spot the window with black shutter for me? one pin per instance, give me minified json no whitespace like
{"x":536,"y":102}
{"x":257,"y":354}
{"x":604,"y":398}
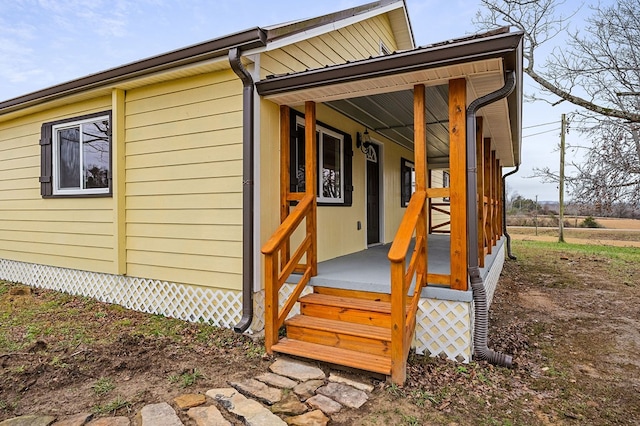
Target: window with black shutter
{"x":76,"y":157}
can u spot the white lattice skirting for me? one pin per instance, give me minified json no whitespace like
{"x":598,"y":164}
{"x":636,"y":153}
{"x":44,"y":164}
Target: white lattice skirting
{"x":443,"y":327}
{"x":491,"y":281}
{"x":218,"y":307}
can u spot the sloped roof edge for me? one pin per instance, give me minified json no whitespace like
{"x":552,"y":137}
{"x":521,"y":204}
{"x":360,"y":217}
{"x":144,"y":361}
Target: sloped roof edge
{"x":286,"y":29}
{"x":248,"y":39}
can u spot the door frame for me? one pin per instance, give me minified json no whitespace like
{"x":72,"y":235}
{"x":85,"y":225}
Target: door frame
{"x":381,"y":197}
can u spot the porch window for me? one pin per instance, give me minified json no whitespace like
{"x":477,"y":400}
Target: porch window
{"x":407,"y":181}
{"x":76,"y":156}
{"x":333,"y":149}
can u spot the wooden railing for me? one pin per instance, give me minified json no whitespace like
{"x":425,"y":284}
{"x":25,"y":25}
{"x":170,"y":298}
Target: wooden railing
{"x":277,"y":272}
{"x":440,"y":208}
{"x":403,"y":320}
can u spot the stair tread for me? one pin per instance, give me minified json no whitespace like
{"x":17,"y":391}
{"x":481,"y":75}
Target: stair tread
{"x":346,"y":357}
{"x":342,"y":327}
{"x":347,"y":302}
{"x":355,"y":294}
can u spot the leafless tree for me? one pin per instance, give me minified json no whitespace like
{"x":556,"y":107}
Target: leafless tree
{"x":596,"y":69}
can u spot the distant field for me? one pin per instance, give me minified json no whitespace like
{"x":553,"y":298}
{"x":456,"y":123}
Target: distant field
{"x":613,"y":223}
{"x":597,"y":236}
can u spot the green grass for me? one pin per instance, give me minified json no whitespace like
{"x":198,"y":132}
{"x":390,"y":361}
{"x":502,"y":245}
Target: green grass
{"x":112,"y":407}
{"x":103,"y":386}
{"x":186,"y":379}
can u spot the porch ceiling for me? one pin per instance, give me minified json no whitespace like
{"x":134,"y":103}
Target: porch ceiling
{"x":391,"y":115}
{"x":378,"y":93}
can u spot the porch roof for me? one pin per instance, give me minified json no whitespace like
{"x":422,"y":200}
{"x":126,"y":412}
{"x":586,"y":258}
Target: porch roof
{"x":376,"y":92}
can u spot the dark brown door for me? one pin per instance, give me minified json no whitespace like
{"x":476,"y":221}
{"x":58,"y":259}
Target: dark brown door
{"x":373,"y":197}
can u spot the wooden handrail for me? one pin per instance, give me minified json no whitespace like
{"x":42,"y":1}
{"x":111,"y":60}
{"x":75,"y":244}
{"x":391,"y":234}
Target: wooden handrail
{"x":277,"y":273}
{"x":403,"y":320}
{"x":400,"y":246}
{"x":289,"y":225}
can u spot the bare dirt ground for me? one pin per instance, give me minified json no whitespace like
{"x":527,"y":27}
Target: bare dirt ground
{"x":569,"y":315}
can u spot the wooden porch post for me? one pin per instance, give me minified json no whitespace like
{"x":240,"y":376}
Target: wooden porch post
{"x":420,"y":151}
{"x":487,"y":195}
{"x":458,"y":169}
{"x":311,"y":181}
{"x":480,"y":188}
{"x":285,"y":158}
{"x":494,"y":207}
{"x":500,"y":201}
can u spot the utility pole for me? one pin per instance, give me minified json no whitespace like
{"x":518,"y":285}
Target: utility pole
{"x":536,"y":216}
{"x":563,"y":129}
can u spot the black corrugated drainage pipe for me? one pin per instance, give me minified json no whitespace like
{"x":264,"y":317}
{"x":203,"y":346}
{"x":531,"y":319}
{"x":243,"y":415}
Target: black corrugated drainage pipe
{"x":481,"y":325}
{"x":504,"y":211}
{"x":247,"y":189}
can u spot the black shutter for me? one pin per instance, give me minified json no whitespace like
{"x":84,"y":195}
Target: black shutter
{"x":46,"y":161}
{"x":348,"y":178}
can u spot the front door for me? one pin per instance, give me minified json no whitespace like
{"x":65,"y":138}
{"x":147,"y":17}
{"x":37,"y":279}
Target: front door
{"x":373,"y":195}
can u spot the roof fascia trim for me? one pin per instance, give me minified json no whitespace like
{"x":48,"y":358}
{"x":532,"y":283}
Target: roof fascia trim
{"x":200,"y":52}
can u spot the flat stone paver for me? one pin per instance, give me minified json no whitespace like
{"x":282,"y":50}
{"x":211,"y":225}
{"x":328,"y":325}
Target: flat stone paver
{"x":324,"y":404}
{"x":30,"y":420}
{"x":345,"y":395}
{"x":110,"y":421}
{"x":296,"y":370}
{"x":189,"y":400}
{"x":207,"y":416}
{"x":252,"y":412}
{"x":277,"y":380}
{"x":337,"y":378}
{"x":80,"y":419}
{"x":312,"y":418}
{"x":290,"y":406}
{"x":158,"y":415}
{"x":307,"y":389}
{"x":258,"y":390}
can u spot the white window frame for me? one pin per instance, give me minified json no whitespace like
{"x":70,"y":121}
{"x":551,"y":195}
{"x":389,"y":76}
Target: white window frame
{"x":321,"y":132}
{"x":56,"y":164}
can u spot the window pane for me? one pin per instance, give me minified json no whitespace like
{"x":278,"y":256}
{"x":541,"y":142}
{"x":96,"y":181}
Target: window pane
{"x":69,"y":157}
{"x":95,"y":151}
{"x":331,"y":167}
{"x":297,"y":155}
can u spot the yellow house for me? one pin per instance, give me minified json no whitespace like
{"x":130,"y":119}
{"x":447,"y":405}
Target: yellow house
{"x":326,"y":175}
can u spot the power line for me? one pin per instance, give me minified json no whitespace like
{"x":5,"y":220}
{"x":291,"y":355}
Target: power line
{"x":540,"y":125}
{"x":541,"y":133}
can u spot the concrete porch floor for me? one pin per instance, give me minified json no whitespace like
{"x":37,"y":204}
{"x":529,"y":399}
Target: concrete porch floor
{"x":369,"y":270}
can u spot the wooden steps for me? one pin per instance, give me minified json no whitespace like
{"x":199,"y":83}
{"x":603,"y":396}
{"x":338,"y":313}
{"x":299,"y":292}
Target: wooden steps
{"x":347,"y":309}
{"x":345,"y":327}
{"x":360,"y":360}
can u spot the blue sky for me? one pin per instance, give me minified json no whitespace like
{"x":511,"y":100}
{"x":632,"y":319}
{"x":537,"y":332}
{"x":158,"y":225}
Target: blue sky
{"x":46,"y":42}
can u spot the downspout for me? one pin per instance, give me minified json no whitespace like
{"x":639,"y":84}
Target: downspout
{"x":481,"y":325}
{"x":504,"y":211}
{"x":247,"y":189}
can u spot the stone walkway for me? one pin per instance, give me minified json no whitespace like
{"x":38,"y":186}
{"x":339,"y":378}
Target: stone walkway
{"x":292,"y":393}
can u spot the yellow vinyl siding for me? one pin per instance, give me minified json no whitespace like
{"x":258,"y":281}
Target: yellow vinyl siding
{"x":73,"y":233}
{"x":184,"y":181}
{"x":357,"y":41}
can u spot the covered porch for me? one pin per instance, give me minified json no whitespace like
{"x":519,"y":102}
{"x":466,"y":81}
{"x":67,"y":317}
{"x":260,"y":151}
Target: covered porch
{"x":364,"y":309}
